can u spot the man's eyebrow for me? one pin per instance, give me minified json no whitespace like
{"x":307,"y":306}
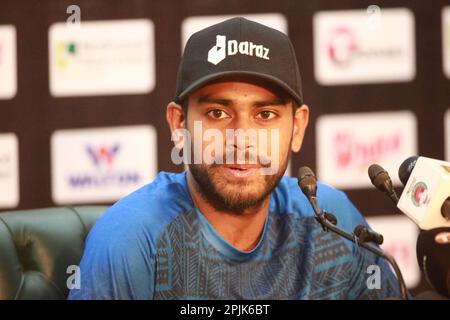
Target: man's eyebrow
{"x":209,"y":99}
{"x":272,"y":102}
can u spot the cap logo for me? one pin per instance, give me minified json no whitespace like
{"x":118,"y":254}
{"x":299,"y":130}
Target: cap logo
{"x":222,"y":48}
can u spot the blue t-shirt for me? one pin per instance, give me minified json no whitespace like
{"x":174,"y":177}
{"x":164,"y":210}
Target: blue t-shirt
{"x":155,"y":244}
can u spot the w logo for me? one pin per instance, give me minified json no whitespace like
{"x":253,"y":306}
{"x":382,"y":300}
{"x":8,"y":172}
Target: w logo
{"x":103,"y":155}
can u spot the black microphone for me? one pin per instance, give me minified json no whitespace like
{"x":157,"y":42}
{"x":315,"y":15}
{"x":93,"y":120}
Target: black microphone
{"x":364,"y":234}
{"x":381,"y":180}
{"x":307,"y":181}
{"x":308,"y":184}
{"x":405,"y":169}
{"x":433,"y":255}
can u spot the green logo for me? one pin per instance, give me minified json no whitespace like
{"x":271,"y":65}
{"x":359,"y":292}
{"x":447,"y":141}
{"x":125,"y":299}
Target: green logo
{"x":64,"y":52}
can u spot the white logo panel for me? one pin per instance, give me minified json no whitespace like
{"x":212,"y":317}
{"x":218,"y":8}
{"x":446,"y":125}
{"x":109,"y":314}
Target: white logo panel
{"x":350,"y":46}
{"x":9,"y":171}
{"x":193,"y":24}
{"x":101,"y":164}
{"x":8,"y":65}
{"x":447,"y":134}
{"x":347,"y":144}
{"x":102,"y":58}
{"x":400,"y":237}
{"x":446,"y":40}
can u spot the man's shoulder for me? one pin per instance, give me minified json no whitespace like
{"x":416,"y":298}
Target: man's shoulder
{"x":147,"y":210}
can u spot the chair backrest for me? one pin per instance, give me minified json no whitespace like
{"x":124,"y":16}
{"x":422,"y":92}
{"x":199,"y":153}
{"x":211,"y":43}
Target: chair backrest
{"x":37,"y":248}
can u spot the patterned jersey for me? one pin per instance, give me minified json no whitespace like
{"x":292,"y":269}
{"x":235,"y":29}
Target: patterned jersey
{"x":155,"y":244}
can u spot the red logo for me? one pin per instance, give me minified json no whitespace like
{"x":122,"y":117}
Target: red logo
{"x":103,"y":155}
{"x":342,"y":46}
{"x":351,"y":152}
{"x":419,"y":194}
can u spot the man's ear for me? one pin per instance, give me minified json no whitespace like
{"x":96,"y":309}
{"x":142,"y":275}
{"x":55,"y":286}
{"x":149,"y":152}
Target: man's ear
{"x":301,"y":118}
{"x":176,"y":120}
{"x":175,"y":116}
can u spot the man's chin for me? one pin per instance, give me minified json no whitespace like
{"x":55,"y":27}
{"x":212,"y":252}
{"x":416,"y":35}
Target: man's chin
{"x":232,"y":191}
{"x":249,"y":192}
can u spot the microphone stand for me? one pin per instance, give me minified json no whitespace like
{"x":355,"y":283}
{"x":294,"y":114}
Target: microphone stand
{"x":327,"y":225}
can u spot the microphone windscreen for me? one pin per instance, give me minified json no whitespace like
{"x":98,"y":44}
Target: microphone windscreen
{"x":304,"y":171}
{"x":307,"y":181}
{"x":374,"y":171}
{"x":405,"y":169}
{"x":433,"y":256}
{"x":380,"y":178}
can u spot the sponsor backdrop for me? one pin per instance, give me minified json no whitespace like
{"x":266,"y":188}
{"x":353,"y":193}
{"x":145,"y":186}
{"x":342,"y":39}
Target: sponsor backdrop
{"x":82,"y":106}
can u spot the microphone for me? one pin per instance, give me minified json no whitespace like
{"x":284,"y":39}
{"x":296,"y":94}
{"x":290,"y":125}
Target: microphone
{"x":433,"y":256}
{"x":426,"y":200}
{"x":364,"y":234}
{"x":405,"y":169}
{"x":426,"y":196}
{"x":381,"y":180}
{"x":308,"y":184}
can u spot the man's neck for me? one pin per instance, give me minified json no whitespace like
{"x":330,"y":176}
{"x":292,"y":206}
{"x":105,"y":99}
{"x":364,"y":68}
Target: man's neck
{"x":242,"y":230}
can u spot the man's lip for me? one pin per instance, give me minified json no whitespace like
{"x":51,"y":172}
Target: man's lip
{"x":242,"y":166}
{"x":239,"y":171}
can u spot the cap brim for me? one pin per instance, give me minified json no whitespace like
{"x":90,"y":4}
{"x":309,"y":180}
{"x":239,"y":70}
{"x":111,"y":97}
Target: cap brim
{"x":227,"y":74}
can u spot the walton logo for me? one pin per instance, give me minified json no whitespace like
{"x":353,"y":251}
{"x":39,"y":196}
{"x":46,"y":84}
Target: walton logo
{"x":103,"y":155}
{"x":105,"y":174}
{"x":222,"y":48}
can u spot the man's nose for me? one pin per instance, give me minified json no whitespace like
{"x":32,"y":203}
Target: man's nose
{"x":243,"y":133}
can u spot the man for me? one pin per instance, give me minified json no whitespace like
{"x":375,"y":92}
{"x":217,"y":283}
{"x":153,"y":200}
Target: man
{"x":230,"y":229}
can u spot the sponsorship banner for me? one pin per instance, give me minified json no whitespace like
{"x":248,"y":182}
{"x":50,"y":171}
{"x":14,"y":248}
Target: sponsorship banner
{"x":446,"y":40}
{"x":8,"y":67}
{"x":347,"y":144}
{"x":101,"y":164}
{"x":400,"y":237}
{"x":364,"y":46}
{"x":193,"y":24}
{"x":102,"y":58}
{"x":447,"y":134}
{"x":9,"y":171}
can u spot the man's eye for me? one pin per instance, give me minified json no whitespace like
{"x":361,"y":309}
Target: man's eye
{"x":266,"y":115}
{"x":218,"y":114}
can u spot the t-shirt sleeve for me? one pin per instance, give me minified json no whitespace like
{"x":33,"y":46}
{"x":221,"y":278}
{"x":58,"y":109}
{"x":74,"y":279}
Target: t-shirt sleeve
{"x":118,"y":262}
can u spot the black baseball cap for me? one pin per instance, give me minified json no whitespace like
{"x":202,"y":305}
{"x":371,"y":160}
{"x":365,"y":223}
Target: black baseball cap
{"x":239,"y":47}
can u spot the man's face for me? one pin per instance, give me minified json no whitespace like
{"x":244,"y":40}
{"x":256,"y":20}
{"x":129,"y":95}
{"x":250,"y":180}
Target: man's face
{"x":225,"y":106}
